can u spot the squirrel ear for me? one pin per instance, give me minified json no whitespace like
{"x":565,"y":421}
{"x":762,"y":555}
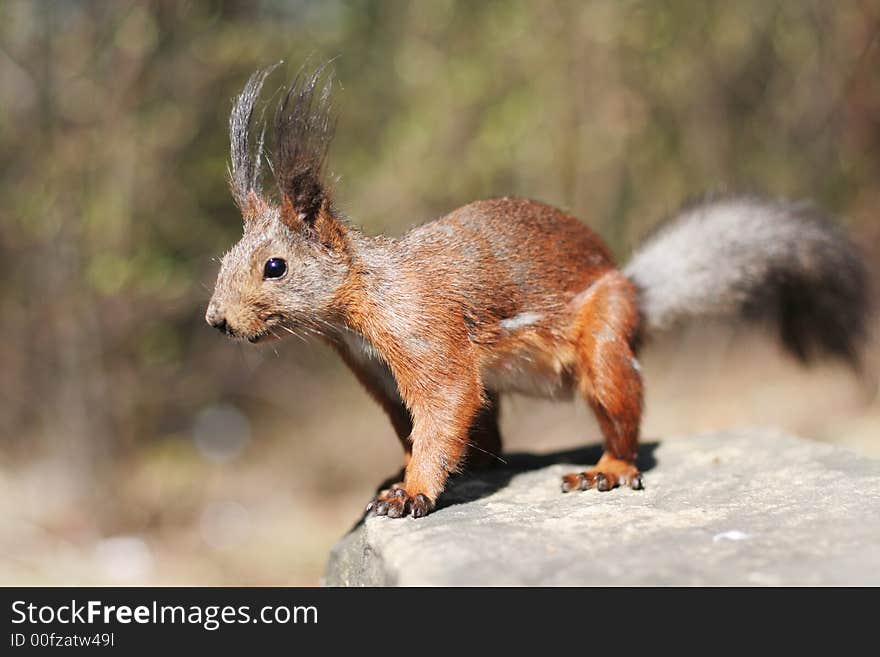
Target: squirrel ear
{"x":253,"y":207}
{"x":321,"y":225}
{"x":294,"y":219}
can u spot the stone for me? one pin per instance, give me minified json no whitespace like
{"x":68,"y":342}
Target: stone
{"x":741,"y":507}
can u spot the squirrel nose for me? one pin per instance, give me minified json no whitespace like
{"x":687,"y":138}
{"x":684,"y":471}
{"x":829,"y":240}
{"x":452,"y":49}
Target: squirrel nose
{"x":215,"y":319}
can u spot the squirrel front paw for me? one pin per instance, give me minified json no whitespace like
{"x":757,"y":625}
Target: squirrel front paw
{"x":395,"y":502}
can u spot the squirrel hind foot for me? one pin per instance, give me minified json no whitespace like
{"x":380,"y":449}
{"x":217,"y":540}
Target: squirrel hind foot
{"x":608,"y":474}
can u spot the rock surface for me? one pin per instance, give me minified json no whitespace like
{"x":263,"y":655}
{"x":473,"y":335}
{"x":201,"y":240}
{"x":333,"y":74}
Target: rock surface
{"x":745,"y":507}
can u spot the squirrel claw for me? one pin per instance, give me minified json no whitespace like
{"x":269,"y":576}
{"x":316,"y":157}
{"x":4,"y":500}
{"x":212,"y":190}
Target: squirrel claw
{"x":420,"y":506}
{"x":577,"y":481}
{"x":602,"y":482}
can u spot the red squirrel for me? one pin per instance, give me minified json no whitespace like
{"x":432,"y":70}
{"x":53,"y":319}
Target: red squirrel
{"x":506,"y":295}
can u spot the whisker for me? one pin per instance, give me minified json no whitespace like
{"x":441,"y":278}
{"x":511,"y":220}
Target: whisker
{"x":291,"y":331}
{"x":274,"y":334}
{"x":487,"y":452}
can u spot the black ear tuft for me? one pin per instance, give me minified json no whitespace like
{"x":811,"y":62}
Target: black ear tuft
{"x":303,"y":130}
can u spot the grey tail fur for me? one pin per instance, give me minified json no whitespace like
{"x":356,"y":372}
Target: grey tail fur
{"x":757,"y":259}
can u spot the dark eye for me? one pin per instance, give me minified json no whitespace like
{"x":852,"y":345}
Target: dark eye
{"x":275,"y":268}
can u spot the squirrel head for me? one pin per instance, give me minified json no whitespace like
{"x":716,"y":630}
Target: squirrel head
{"x":286,"y":272}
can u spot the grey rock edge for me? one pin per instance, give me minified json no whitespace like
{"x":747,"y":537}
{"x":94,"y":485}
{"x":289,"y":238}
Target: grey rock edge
{"x":743,"y":507}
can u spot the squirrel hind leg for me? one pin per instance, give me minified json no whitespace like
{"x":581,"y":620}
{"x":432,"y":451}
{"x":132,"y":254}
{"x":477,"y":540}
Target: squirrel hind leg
{"x":609,"y":378}
{"x":484,"y":436}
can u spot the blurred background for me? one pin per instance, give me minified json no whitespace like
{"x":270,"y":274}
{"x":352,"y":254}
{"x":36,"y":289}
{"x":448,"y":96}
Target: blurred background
{"x":138,"y":446}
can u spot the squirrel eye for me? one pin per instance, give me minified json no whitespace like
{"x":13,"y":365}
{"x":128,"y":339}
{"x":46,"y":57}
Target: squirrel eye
{"x":275,"y":268}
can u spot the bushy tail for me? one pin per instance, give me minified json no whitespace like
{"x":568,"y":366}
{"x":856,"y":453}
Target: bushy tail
{"x":757,"y":259}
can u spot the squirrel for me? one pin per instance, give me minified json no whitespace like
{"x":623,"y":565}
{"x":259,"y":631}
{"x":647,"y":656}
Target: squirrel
{"x":507,"y":295}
